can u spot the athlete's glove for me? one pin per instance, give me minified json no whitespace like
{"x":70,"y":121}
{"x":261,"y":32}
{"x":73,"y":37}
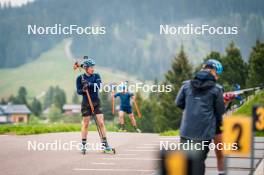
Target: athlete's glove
{"x":85,"y":88}
{"x":228,"y":97}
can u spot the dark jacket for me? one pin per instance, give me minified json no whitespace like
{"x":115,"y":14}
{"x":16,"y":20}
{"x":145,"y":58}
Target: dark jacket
{"x":203,"y":105}
{"x":94,"y":83}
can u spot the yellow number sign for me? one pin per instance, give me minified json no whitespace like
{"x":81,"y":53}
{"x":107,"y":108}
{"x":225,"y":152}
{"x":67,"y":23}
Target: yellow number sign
{"x":175,"y":164}
{"x":237,"y":135}
{"x":258,"y":114}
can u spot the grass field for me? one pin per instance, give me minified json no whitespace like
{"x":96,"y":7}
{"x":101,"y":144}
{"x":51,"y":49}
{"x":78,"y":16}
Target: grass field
{"x":50,"y":69}
{"x":46,"y":128}
{"x":170,"y":133}
{"x":246,"y":109}
{"x":176,"y":133}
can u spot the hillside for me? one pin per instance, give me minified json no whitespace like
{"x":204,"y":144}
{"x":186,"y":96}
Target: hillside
{"x":246,"y":109}
{"x":132,"y":42}
{"x":50,"y":69}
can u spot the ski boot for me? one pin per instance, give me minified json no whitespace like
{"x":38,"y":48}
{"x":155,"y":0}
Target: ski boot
{"x":106,"y":148}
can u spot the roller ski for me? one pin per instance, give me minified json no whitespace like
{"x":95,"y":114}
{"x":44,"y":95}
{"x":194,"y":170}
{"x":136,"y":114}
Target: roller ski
{"x":106,"y":148}
{"x":109,"y":150}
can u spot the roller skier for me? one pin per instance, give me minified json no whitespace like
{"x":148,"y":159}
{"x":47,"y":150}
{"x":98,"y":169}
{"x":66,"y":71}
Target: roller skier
{"x":88,"y":85}
{"x":125,"y":107}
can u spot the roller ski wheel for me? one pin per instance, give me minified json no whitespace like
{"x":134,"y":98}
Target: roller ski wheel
{"x":83,"y":149}
{"x":109,"y":150}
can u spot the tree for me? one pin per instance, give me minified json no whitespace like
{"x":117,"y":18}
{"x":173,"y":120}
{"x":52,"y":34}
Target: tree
{"x":48,"y":99}
{"x":36,"y":107}
{"x":106,"y":105}
{"x":55,"y":96}
{"x":3,"y":101}
{"x":75,"y":98}
{"x":54,"y":114}
{"x":256,"y":65}
{"x":59,"y":98}
{"x":150,"y":110}
{"x":181,"y":70}
{"x":235,"y":69}
{"x":21,"y":97}
{"x":12,"y":99}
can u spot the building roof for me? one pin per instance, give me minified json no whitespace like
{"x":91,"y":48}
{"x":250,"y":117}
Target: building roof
{"x":2,"y":112}
{"x":3,"y":107}
{"x":15,"y":109}
{"x":71,"y":107}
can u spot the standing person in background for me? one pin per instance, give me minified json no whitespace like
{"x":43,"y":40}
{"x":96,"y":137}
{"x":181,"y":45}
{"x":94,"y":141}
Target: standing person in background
{"x":203,"y":105}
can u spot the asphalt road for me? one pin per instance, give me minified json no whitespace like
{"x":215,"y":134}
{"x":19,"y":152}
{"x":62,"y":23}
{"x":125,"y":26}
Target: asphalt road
{"x":136,"y":154}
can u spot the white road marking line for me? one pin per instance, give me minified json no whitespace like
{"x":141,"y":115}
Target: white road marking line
{"x":93,"y":169}
{"x":147,"y":147}
{"x":151,"y":144}
{"x":158,"y":141}
{"x":169,"y":138}
{"x":144,"y":150}
{"x":121,"y":158}
{"x":126,"y":154}
{"x":102,"y":163}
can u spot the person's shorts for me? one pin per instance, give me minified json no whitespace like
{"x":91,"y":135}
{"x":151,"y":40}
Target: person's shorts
{"x":86,"y":109}
{"x":127,"y":110}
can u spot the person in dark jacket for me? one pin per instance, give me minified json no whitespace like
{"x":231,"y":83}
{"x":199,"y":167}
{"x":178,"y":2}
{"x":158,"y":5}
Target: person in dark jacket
{"x":201,"y":100}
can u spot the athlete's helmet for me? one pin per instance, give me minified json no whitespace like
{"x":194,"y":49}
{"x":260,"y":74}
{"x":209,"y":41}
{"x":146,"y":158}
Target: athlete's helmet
{"x":89,"y":62}
{"x":214,"y":64}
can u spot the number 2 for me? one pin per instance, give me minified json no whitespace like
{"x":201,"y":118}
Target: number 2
{"x":238,"y":127}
